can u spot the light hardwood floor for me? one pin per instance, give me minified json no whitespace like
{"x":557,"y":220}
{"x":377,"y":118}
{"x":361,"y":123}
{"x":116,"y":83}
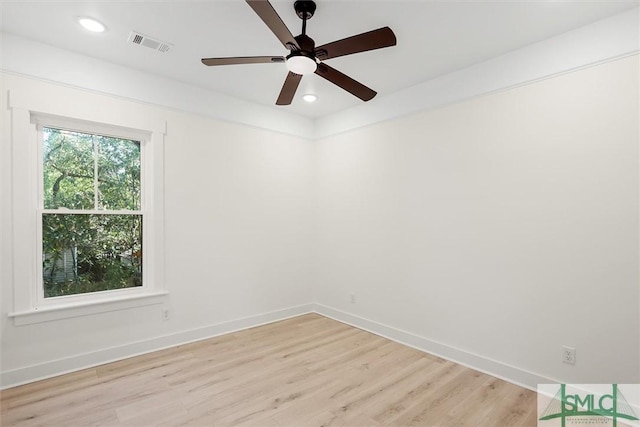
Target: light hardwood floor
{"x":305,"y":371}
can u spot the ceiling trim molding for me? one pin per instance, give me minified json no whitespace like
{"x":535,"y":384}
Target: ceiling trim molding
{"x":80,"y":71}
{"x":603,"y":41}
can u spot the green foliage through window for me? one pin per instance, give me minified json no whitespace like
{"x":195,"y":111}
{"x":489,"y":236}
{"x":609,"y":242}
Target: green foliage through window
{"x":85,"y":171}
{"x":90,"y":251}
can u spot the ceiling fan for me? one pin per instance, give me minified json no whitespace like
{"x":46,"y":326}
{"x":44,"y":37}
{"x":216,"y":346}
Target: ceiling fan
{"x":305,"y":57}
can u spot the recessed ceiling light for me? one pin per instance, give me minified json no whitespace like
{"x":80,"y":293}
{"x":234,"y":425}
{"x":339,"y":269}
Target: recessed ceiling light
{"x":309,"y":97}
{"x":91,"y":24}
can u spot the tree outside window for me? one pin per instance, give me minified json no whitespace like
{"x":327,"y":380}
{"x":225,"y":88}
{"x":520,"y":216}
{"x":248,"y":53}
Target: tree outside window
{"x":92,"y":215}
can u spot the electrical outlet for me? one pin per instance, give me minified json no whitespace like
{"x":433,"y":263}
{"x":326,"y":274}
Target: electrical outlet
{"x":352,"y":298}
{"x":568,"y":355}
{"x":164,"y":314}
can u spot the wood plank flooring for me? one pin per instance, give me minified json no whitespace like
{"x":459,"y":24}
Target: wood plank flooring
{"x":305,"y":371}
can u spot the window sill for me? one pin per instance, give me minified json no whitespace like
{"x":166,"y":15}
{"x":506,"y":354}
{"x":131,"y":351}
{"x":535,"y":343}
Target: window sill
{"x":47,"y":314}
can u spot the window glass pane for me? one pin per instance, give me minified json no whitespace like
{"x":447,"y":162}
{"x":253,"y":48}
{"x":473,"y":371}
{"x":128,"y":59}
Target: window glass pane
{"x":118,"y":173}
{"x":68,"y":169}
{"x":90,"y":253}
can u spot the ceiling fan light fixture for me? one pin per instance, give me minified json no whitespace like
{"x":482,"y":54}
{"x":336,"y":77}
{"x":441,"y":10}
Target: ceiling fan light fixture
{"x":91,"y":24}
{"x":301,"y":64}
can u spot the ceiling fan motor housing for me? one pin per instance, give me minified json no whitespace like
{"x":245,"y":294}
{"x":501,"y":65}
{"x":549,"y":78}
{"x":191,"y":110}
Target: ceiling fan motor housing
{"x":306,"y":43}
{"x":307,"y":46}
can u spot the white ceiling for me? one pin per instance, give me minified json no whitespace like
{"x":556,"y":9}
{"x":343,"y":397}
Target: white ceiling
{"x":434,"y":38}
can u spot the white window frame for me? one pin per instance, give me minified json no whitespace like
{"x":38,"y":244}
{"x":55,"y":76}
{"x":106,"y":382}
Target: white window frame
{"x":75,"y":126}
{"x":28,"y":118}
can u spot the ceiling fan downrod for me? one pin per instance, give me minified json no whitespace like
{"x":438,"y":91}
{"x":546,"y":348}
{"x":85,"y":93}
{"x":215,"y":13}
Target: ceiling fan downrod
{"x":305,"y":10}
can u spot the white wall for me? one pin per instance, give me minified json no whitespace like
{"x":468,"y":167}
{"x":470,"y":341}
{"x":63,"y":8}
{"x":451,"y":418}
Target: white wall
{"x":492,"y":231}
{"x":495,"y":230}
{"x":237,"y":220}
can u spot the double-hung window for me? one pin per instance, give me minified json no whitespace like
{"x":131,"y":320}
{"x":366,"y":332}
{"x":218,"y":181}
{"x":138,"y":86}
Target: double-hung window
{"x":87,"y":209}
{"x":92,"y":216}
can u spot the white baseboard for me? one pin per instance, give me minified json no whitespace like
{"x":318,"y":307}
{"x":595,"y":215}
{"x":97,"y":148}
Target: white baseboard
{"x":474,"y":361}
{"x":78,"y":362}
{"x":480,"y":363}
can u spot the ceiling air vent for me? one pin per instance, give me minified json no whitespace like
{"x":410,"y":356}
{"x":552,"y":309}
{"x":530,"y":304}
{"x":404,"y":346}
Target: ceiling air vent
{"x":151,"y":43}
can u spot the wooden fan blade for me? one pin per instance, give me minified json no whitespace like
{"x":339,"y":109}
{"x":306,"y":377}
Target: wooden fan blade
{"x":289,"y":89}
{"x":243,"y":60}
{"x":267,"y":13}
{"x":376,"y":39}
{"x":345,"y":82}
